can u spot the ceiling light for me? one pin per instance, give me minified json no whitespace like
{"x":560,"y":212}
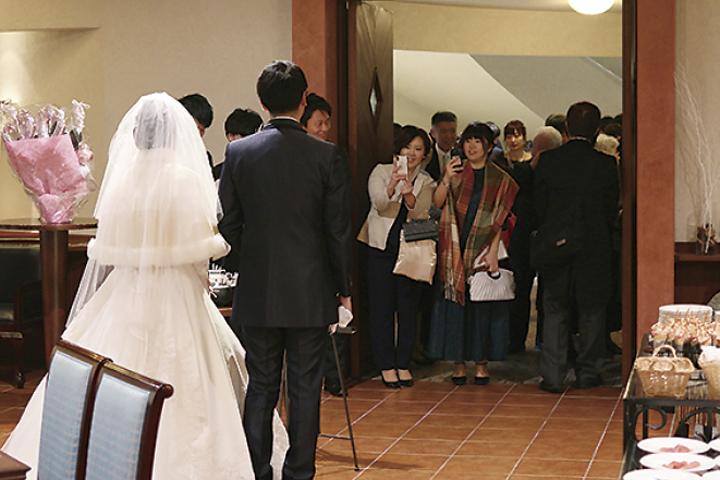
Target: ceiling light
{"x":591,"y":7}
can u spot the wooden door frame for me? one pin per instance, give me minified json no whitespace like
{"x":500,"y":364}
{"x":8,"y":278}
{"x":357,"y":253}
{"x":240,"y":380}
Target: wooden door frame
{"x":648,"y":136}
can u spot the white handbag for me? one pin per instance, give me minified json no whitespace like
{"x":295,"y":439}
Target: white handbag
{"x":492,"y":287}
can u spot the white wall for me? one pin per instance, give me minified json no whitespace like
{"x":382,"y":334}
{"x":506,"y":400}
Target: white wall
{"x":108,"y":54}
{"x":500,"y":65}
{"x":695,"y":47}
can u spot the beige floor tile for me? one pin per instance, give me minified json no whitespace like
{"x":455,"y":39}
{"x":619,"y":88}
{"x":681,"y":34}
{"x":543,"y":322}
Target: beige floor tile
{"x":604,"y":469}
{"x":504,"y":410}
{"x":335,"y":473}
{"x":395,"y":474}
{"x":439,"y":433}
{"x":480,"y":465}
{"x":492,"y":449}
{"x":446,"y":475}
{"x":404,"y":461}
{"x":551,"y":467}
{"x":573,"y":451}
{"x":415,"y":446}
{"x":519,"y":435}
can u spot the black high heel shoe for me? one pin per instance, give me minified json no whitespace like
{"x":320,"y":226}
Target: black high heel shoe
{"x":482,"y":380}
{"x":459,"y":381}
{"x":395,"y":384}
{"x":408,"y":382}
{"x":391,"y":383}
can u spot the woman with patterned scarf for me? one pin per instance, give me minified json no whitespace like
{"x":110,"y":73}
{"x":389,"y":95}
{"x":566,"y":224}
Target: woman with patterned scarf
{"x":476,"y":197}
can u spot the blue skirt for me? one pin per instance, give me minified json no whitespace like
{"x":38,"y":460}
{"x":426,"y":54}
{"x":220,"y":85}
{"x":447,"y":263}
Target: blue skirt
{"x":471,"y":333}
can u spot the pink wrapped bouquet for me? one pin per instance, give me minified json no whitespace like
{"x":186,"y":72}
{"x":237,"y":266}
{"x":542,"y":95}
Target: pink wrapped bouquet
{"x":49,"y":157}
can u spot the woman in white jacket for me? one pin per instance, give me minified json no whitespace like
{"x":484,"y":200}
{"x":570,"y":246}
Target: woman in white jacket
{"x":395,"y":196}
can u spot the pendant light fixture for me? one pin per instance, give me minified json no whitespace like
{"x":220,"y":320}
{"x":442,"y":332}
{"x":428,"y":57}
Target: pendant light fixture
{"x":591,"y":7}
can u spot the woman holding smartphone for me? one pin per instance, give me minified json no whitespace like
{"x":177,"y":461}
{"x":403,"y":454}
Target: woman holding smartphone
{"x":476,"y":197}
{"x":398,"y":192}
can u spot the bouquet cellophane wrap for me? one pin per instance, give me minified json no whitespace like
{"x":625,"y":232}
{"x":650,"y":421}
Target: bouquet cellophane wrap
{"x":664,"y":376}
{"x":50,"y":172}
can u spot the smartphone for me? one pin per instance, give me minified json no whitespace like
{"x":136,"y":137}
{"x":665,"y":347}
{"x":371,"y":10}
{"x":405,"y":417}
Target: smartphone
{"x":459,"y":166}
{"x":402,"y":161}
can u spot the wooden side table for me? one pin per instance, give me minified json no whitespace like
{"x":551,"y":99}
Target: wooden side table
{"x":53,"y":266}
{"x":11,"y":469}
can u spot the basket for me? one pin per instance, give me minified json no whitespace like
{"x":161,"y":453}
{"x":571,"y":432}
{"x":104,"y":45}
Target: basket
{"x":712,"y":375}
{"x":664,"y":376}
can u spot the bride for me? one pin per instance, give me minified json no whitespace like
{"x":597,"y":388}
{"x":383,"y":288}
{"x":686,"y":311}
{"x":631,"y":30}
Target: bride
{"x":144,"y":301}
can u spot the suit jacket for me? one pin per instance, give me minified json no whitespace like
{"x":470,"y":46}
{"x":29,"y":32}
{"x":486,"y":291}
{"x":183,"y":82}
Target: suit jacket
{"x":287,"y":201}
{"x":562,"y":175}
{"x":384,"y":210}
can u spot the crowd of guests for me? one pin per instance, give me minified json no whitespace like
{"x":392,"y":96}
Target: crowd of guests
{"x":490,"y":189}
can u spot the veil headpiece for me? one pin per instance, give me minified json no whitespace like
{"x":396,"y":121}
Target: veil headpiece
{"x":158,"y":203}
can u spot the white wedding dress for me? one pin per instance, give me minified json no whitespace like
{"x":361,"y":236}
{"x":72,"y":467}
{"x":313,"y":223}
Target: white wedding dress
{"x":151,"y":313}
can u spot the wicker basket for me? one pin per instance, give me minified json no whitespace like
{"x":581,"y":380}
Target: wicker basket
{"x":664,"y":376}
{"x":712,"y":375}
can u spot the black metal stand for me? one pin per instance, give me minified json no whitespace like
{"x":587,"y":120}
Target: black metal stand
{"x":346,"y":331}
{"x":284,"y":400}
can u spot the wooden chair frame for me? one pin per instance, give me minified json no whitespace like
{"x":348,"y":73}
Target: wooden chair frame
{"x":96,"y":362}
{"x":158,"y":392}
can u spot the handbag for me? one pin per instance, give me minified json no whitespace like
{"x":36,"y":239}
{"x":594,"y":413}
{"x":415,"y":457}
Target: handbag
{"x":557,"y":242}
{"x":416,"y":260}
{"x":427,"y":229}
{"x":486,"y":286}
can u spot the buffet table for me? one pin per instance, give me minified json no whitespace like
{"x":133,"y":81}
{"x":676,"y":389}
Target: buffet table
{"x":693,"y":409}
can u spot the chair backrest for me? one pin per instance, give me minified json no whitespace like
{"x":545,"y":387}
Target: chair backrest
{"x":124,"y":425}
{"x":68,"y":404}
{"x":19,"y":263}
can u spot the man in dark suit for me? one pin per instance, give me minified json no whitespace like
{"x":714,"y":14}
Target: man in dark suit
{"x":287,"y":202}
{"x":444,"y":135}
{"x":576,"y":172}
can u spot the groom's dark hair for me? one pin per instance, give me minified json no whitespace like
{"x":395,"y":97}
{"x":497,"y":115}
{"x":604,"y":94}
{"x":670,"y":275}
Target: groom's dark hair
{"x":281,"y":86}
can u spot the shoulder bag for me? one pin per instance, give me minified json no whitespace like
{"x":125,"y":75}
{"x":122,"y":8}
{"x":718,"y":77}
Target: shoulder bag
{"x":426,"y":229}
{"x":557,"y":242}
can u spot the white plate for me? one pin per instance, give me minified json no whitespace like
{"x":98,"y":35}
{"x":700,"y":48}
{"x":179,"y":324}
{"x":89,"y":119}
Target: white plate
{"x":714,"y":475}
{"x":666,"y":444}
{"x":663,"y":460}
{"x":659,"y":475}
{"x":715,"y":444}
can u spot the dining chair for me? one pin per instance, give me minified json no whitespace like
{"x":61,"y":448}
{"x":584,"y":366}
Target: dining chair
{"x":21,"y":308}
{"x":124,"y":425}
{"x":68,"y":405}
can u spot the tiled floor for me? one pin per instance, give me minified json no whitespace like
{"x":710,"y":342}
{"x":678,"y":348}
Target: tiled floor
{"x":498,"y":431}
{"x":436,"y":430}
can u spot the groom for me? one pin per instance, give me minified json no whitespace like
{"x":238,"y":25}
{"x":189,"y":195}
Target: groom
{"x":287,"y":202}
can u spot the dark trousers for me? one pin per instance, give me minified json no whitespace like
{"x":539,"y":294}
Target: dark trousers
{"x":558,"y":303}
{"x":524,"y":275}
{"x":387,"y":294}
{"x":303,"y":349}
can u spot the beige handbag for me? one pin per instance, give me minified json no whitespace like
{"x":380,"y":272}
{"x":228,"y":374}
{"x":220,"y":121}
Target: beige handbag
{"x":416,"y":260}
